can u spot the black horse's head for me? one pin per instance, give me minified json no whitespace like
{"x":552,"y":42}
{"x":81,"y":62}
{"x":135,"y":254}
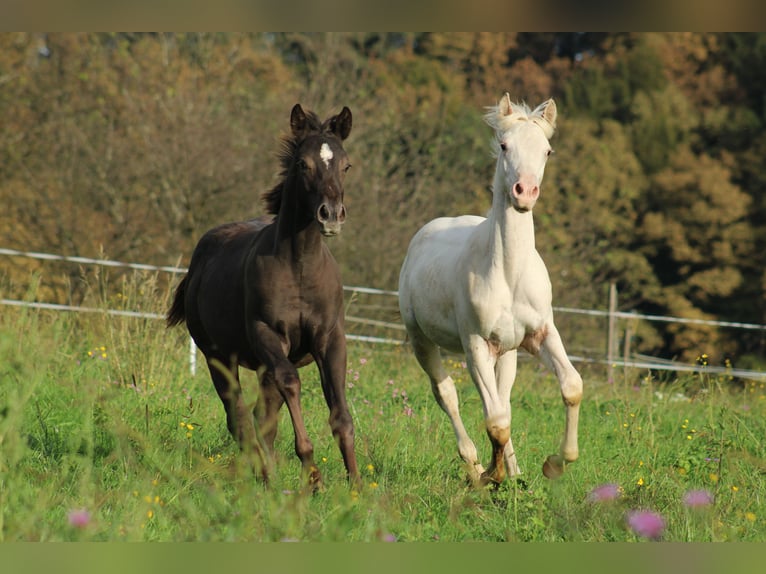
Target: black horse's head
{"x":320,"y":164}
{"x":314,"y":165}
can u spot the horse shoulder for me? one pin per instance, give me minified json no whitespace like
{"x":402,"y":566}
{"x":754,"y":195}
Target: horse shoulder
{"x":536,"y":288}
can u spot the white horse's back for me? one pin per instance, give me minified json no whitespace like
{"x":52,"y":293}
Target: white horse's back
{"x":429,"y":278}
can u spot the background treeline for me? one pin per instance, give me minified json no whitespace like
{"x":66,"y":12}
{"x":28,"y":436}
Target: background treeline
{"x":132,"y":145}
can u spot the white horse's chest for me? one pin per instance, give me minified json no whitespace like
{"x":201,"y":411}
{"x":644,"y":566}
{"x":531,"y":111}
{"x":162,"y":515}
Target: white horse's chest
{"x":509,"y":316}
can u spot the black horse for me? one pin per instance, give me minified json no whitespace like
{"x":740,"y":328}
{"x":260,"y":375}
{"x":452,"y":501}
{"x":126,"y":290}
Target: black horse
{"x":266,"y":295}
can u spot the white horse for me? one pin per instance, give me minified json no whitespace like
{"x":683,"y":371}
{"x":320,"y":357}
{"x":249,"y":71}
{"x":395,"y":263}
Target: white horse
{"x":478,"y":285}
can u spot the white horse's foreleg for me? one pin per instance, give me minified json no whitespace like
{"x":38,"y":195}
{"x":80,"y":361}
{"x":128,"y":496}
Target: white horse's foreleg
{"x":497,"y":414}
{"x":505,"y":373}
{"x":443,"y":388}
{"x":554,"y":355}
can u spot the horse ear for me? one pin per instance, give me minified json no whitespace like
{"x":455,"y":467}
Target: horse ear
{"x":298,"y":120}
{"x":340,"y":125}
{"x":549,"y":112}
{"x":504,"y":107}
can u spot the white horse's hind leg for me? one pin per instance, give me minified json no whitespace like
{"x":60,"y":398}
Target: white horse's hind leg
{"x":505,"y":373}
{"x":554,"y":355}
{"x":443,"y":388}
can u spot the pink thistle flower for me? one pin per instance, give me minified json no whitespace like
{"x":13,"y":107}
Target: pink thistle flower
{"x":604,"y":493}
{"x":388,"y":537}
{"x":79,"y":518}
{"x":698,"y":498}
{"x":646,"y":523}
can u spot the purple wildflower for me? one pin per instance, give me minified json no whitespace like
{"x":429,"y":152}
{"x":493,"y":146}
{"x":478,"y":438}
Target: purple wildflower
{"x":79,"y":518}
{"x":388,"y":537}
{"x":604,"y":493}
{"x":646,"y":523}
{"x":698,"y":498}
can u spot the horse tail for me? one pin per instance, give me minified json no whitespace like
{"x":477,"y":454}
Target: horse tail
{"x":177,"y":314}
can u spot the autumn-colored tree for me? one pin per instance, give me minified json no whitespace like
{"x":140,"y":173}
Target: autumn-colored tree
{"x":132,"y":145}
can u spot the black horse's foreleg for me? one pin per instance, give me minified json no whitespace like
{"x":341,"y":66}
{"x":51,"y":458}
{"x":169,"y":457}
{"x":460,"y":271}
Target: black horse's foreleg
{"x":268,"y":347}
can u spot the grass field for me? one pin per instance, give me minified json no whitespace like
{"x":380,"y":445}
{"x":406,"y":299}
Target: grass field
{"x":105,"y":436}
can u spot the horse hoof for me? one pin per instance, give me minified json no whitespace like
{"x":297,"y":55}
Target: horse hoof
{"x":489,"y":479}
{"x":553,"y":467}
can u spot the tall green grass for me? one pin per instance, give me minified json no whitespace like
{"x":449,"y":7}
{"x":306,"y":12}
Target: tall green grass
{"x":100,"y":414}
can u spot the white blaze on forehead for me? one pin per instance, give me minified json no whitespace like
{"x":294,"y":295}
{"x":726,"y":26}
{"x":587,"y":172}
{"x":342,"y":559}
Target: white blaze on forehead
{"x":326,"y":154}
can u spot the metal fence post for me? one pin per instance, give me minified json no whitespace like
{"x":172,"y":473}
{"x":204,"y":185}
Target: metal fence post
{"x":611,"y":343}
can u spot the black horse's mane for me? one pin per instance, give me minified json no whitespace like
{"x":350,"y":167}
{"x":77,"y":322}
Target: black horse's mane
{"x":289,"y":145}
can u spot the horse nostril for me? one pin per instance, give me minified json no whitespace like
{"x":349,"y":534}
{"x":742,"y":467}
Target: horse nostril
{"x":342,"y":214}
{"x":323,"y":214}
{"x":518,"y":189}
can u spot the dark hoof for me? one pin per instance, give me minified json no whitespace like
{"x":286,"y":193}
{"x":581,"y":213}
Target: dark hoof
{"x":488,"y":479}
{"x":553,"y":467}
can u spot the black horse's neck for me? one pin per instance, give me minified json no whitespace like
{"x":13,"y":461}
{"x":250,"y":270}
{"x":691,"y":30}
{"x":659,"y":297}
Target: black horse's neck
{"x":298,"y":236}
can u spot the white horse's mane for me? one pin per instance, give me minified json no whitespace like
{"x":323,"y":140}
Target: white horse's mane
{"x":501,"y":117}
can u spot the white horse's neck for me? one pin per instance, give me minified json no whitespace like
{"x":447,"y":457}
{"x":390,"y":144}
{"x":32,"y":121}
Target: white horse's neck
{"x":512,"y":233}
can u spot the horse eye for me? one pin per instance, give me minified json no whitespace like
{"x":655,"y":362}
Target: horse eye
{"x":549,"y":153}
{"x":303,"y":165}
{"x":503,"y":146}
{"x":345,"y":169}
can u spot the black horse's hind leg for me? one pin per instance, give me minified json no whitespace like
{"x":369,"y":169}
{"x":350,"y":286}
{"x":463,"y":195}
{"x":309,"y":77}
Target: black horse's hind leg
{"x":332,"y":370}
{"x":239,"y":419}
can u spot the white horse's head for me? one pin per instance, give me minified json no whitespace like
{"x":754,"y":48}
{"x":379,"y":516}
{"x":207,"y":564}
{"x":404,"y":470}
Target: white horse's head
{"x":522,"y":138}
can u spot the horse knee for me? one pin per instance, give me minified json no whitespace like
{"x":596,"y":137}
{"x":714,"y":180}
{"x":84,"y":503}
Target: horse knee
{"x":571,"y":390}
{"x":499,"y":433}
{"x":288,"y":382}
{"x":342,"y":425}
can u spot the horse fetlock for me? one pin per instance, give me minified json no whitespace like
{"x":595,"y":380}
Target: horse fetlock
{"x":570,"y":455}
